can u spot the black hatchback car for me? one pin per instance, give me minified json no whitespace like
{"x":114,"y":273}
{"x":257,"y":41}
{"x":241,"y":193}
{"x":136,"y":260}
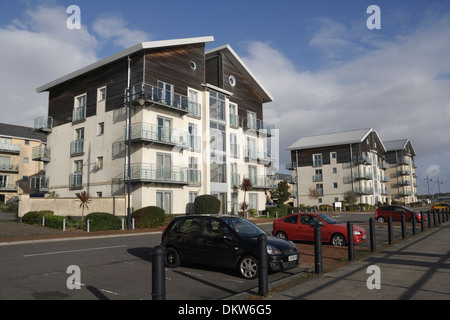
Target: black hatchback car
{"x":225,"y":241}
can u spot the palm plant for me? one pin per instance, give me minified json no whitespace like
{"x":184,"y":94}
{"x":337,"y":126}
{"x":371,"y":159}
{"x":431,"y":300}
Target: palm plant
{"x":84,"y":198}
{"x":246,"y":185}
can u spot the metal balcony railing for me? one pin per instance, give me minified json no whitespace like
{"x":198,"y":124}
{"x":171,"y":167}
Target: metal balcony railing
{"x":77,"y":147}
{"x":150,"y":172}
{"x":44,"y":124}
{"x":41,"y":153}
{"x":261,"y":181}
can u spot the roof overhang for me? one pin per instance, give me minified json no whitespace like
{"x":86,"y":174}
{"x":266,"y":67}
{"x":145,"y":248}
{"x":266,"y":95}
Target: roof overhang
{"x":125,"y":53}
{"x":242,"y":67}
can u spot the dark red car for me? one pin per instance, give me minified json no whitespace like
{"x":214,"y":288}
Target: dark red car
{"x":382,"y":213}
{"x":300,"y":227}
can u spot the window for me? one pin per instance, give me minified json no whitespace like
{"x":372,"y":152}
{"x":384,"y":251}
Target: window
{"x":193,"y":105}
{"x":251,"y":120}
{"x":79,"y":134}
{"x":334,"y":170}
{"x":217,"y":142}
{"x":234,"y":118}
{"x":164,"y":200}
{"x":78,"y":166}
{"x":232,"y":80}
{"x":253,"y":201}
{"x":80,"y":102}
{"x":333,"y":155}
{"x":165,"y":92}
{"x":217,"y":105}
{"x":26,"y":160}
{"x":27,"y":142}
{"x":317,"y":160}
{"x":164,"y":129}
{"x":101,"y":94}
{"x":4,"y":180}
{"x":99,"y":194}
{"x":100,"y":128}
{"x":292,"y":219}
{"x":99,"y":163}
{"x":335,"y":185}
{"x":234,"y":150}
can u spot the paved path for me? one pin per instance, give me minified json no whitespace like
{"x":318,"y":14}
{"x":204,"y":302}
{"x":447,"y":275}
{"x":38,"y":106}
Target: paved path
{"x":417,"y":268}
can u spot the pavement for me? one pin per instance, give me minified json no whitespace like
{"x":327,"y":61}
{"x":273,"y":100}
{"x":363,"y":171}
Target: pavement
{"x":415,"y":268}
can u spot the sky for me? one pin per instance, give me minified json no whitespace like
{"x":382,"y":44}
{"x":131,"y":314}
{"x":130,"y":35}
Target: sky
{"x":326,"y":66}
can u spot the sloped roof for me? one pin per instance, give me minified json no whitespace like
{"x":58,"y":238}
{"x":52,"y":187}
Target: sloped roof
{"x":331,"y":139}
{"x":401,"y":144}
{"x":124,"y":53}
{"x":242,"y":67}
{"x":15,"y":131}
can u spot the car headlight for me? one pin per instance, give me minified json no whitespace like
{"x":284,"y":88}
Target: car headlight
{"x":272,"y":250}
{"x":356,"y":233}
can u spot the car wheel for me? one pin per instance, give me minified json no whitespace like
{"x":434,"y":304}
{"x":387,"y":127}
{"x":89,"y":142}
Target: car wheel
{"x":338,"y":240}
{"x":380,"y":219}
{"x":281,"y":235}
{"x":173,"y":259}
{"x":248,"y":267}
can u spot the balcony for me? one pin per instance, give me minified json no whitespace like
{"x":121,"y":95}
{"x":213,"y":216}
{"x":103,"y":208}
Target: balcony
{"x":78,"y":114}
{"x":41,"y":153}
{"x":259,"y":126}
{"x":317,"y":177}
{"x":153,"y":173}
{"x":151,"y":133}
{"x":363,"y":175}
{"x":363,"y":190}
{"x":77,"y":148}
{"x":9,"y":148}
{"x":40,"y":183}
{"x":43,"y":124}
{"x":291,"y":166}
{"x":234,"y":121}
{"x":7,"y":167}
{"x":76,"y":181}
{"x":5,"y":186}
{"x":262,"y":181}
{"x":257,"y":154}
{"x":144,"y":94}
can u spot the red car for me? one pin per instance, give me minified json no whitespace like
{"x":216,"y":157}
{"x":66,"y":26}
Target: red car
{"x":382,"y":213}
{"x":300,"y":227}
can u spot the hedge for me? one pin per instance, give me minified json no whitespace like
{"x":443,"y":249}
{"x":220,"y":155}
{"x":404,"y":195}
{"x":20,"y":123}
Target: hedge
{"x":35,"y":217}
{"x":99,"y":221}
{"x":206,"y":204}
{"x":149,"y":217}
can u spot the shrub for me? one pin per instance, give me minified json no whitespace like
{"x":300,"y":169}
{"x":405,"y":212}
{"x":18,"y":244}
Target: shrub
{"x":35,"y":217}
{"x":149,"y":217}
{"x":99,"y":221}
{"x":206,"y":204}
{"x":54,"y":221}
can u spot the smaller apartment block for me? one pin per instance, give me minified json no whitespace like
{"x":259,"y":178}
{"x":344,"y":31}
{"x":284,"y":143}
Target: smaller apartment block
{"x":400,"y":156}
{"x":167,"y":119}
{"x":324,"y":167}
{"x":23,"y":155}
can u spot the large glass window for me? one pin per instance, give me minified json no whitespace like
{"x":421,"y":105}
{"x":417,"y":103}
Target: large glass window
{"x":164,"y":200}
{"x":216,"y":105}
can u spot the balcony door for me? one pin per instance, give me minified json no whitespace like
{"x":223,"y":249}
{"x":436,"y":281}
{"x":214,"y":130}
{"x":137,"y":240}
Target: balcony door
{"x":164,"y":129}
{"x":165,"y":92}
{"x":163,"y":166}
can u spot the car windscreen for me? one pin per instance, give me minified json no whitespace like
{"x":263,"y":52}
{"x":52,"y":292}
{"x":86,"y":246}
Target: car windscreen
{"x":327,"y":219}
{"x":243,"y":228}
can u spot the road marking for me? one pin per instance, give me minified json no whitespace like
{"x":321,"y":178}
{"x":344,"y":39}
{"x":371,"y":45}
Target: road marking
{"x":71,"y":251}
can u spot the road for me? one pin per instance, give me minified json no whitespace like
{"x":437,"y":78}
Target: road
{"x":121,"y":268}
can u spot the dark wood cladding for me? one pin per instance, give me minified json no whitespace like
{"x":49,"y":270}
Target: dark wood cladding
{"x":114,"y":76}
{"x":219,"y":69}
{"x":343,"y":152}
{"x":172,"y":65}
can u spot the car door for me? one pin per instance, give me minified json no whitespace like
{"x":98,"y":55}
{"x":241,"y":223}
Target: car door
{"x":217,"y":243}
{"x":306,"y":227}
{"x":290,"y":226}
{"x":189,"y":236}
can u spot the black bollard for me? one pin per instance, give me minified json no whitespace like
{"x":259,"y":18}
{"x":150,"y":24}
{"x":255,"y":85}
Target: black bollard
{"x":390,"y":231}
{"x":318,"y":249}
{"x":422,"y":223}
{"x":403,"y":226}
{"x":434,"y":218}
{"x":439,"y":216}
{"x":429,"y":219}
{"x":351,"y":253}
{"x":413,"y":222}
{"x":158,"y":273}
{"x":263,"y":281}
{"x":373,"y":245}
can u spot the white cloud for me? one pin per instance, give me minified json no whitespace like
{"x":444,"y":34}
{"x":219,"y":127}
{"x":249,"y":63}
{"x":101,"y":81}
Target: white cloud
{"x":114,"y":28}
{"x":399,"y":88}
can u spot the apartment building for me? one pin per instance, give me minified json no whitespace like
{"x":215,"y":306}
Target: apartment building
{"x":326,"y":166}
{"x":23,"y":154}
{"x":167,"y":118}
{"x":402,"y":170}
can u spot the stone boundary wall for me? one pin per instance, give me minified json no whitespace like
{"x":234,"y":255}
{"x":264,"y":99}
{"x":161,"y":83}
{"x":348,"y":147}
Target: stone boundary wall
{"x":71,"y":206}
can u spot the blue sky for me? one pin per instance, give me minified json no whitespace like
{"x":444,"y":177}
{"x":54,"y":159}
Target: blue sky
{"x":325,"y":69}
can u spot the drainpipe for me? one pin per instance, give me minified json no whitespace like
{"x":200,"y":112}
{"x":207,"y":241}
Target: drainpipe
{"x":128,"y":158}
